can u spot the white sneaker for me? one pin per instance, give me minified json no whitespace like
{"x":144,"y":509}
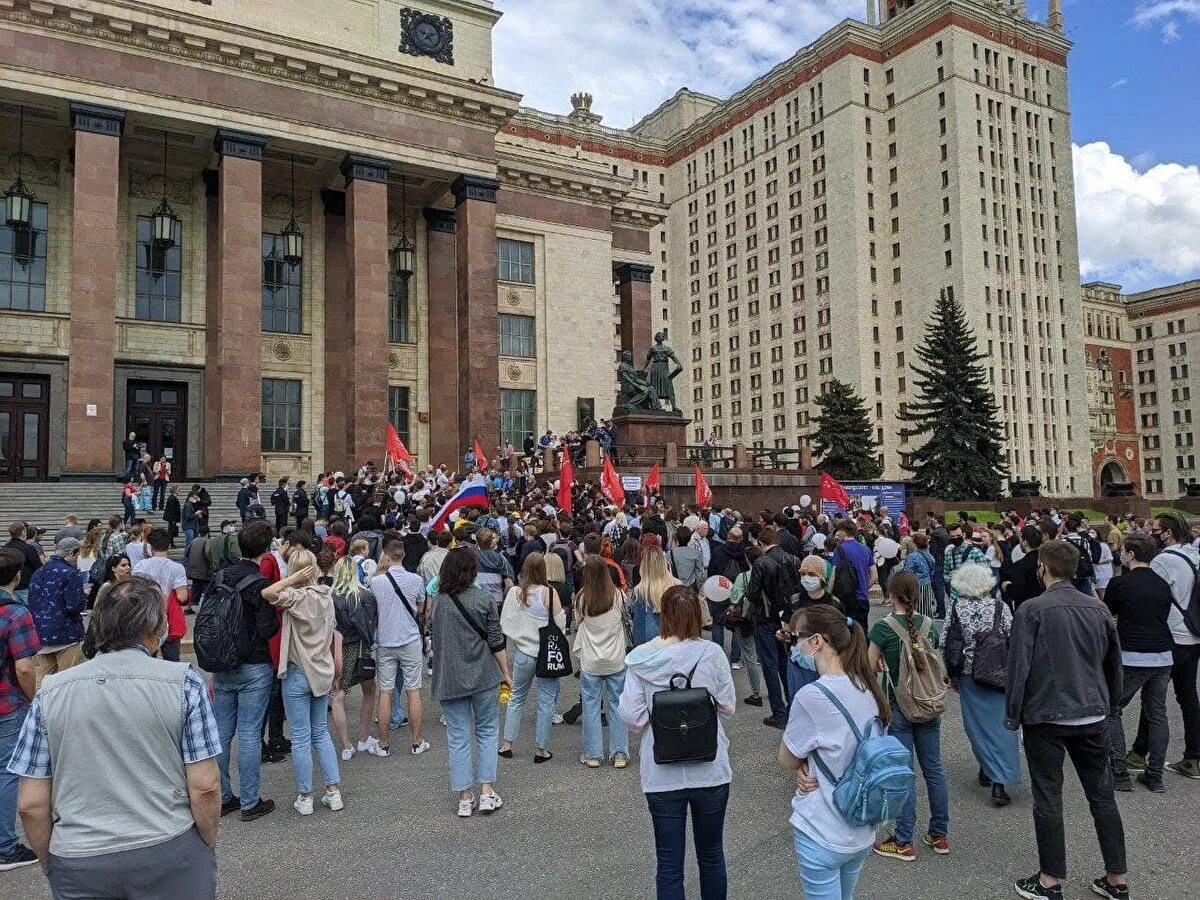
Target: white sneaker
{"x":489,"y":803}
{"x":558,"y":719}
{"x":331,"y":798}
{"x":304,"y":805}
{"x":365,"y":746}
{"x":347,"y":754}
{"x":466,"y":807}
{"x":377,"y":750}
{"x":418,"y":749}
{"x":735,"y":666}
{"x":442,"y":719}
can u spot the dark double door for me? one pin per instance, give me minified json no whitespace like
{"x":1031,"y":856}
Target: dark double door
{"x":156,"y":412}
{"x":24,"y":426}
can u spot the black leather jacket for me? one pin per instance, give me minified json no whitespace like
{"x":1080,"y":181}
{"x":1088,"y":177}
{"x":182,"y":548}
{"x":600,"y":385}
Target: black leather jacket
{"x":773,"y":581}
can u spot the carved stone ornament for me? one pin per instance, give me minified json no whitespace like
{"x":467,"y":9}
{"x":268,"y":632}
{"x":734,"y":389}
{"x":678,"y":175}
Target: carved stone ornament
{"x":281,"y":350}
{"x":393,"y":360}
{"x":35,"y":169}
{"x":148,"y":185}
{"x":424,"y":34}
{"x":513,"y":297}
{"x":514,"y":373}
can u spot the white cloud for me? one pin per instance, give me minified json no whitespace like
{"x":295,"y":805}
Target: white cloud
{"x":633,"y":54}
{"x":1138,"y":228}
{"x":1119,"y":83}
{"x":1170,"y":31}
{"x":1168,"y":13}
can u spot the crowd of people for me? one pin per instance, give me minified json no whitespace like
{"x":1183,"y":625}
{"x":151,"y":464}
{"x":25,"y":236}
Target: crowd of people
{"x":1045,"y":625}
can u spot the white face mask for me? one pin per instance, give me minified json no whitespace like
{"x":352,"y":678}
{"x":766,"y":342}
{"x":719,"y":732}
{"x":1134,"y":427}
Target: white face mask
{"x":810,"y":582}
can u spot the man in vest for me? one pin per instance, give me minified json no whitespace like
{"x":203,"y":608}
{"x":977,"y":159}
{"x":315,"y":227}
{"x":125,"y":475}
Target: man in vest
{"x":134,"y":814}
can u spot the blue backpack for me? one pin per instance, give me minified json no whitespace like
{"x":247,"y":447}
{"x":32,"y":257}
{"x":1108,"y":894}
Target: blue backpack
{"x":879,"y":779}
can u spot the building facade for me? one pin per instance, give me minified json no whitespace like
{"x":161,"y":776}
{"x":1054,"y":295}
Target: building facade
{"x":797,"y":231}
{"x":1165,"y":323}
{"x":1112,"y":407}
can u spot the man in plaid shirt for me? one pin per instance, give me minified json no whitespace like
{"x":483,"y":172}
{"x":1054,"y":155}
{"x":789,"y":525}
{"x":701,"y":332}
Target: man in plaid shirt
{"x":958,"y":554}
{"x":134,"y":813}
{"x":18,"y":646}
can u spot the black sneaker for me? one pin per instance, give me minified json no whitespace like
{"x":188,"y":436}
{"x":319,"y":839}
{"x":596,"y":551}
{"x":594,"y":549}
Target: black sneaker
{"x":984,"y":781}
{"x":1105,"y":888}
{"x":258,"y":810}
{"x":1031,"y":888}
{"x":271,"y":756}
{"x":233,"y":804}
{"x":1123,"y":783}
{"x":753,"y":701}
{"x":776,"y":722}
{"x":1153,"y":784}
{"x":571,"y":716}
{"x":19,"y":856}
{"x":1000,"y":796}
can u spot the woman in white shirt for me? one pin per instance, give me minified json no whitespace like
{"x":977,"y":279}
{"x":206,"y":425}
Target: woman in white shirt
{"x":600,"y":637}
{"x":527,"y":608}
{"x":701,"y":786}
{"x":830,"y":850}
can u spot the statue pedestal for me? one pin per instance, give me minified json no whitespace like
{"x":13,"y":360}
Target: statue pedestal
{"x":647,"y":429}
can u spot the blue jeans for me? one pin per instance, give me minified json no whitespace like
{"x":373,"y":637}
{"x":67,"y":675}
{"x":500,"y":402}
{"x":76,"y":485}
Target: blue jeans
{"x":926,"y":740}
{"x":240,"y":705}
{"x":669,"y":811}
{"x":399,"y":714}
{"x":824,"y":874}
{"x":938,"y":580}
{"x":10,"y":728}
{"x":308,"y":721}
{"x":523,"y":673}
{"x":718,"y":630}
{"x":479,"y":713}
{"x":768,"y":658}
{"x":130,"y":512}
{"x":189,"y":535}
{"x":592,"y":688}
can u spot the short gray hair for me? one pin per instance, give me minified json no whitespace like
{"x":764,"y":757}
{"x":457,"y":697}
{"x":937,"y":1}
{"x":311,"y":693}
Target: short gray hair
{"x":973,"y":580}
{"x":133,"y":609}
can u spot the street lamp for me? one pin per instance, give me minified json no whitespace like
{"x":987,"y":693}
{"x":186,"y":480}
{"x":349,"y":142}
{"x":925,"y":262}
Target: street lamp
{"x":293,"y":238}
{"x":404,"y":253}
{"x":18,"y":201}
{"x":164,"y":216}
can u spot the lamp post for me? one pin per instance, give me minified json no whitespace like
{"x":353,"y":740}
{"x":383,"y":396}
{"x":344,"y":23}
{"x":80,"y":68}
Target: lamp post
{"x":164,"y":216}
{"x":18,"y":201}
{"x":293,"y":238}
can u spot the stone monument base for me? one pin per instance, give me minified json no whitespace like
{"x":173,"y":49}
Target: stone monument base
{"x":646,"y":429}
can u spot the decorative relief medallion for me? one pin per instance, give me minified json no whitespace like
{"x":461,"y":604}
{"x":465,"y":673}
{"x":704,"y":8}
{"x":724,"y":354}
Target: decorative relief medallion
{"x":514,"y":373}
{"x":424,"y":34}
{"x":513,"y":297}
{"x":281,"y":350}
{"x":393,"y":360}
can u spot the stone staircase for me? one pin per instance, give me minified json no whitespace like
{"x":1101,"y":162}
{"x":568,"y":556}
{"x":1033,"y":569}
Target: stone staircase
{"x":46,"y":504}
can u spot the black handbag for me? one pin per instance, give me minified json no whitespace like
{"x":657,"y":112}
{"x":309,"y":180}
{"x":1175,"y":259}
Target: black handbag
{"x":954,"y":645}
{"x":364,"y":666}
{"x":554,"y":652}
{"x":989,"y":668}
{"x":684,"y":722}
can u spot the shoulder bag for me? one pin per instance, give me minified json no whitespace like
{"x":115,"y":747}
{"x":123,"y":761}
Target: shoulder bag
{"x":554,"y":651}
{"x":475,"y":626}
{"x":990,"y":666}
{"x":683,"y":720}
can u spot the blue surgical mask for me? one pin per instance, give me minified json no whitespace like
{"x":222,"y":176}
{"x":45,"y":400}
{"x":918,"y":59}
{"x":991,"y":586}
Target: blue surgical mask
{"x":801,"y":659}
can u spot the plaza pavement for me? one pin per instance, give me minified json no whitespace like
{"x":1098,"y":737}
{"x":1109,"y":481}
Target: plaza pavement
{"x":570,"y":832}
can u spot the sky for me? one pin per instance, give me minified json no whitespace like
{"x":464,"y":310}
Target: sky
{"x":1134,"y":77}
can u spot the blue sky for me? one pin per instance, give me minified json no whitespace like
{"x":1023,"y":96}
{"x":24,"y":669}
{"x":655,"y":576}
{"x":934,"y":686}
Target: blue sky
{"x":1134,"y":75}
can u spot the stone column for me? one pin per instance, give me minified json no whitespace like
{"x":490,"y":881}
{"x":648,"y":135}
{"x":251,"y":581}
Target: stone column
{"x":367,"y":305}
{"x":633,"y":287}
{"x":94,"y":245}
{"x":338,"y":348}
{"x":441,"y":267}
{"x":233,"y":362}
{"x":478,"y":319}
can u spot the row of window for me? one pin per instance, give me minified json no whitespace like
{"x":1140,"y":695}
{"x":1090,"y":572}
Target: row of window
{"x":282,"y":414}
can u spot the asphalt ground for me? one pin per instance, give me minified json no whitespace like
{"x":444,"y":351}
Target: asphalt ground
{"x":570,"y":832}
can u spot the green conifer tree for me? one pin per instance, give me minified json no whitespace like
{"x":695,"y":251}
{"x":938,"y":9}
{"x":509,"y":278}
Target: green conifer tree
{"x":955,"y":416}
{"x":844,"y":442}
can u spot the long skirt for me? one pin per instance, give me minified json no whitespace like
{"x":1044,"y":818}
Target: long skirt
{"x":995,"y":747}
{"x":926,"y":603}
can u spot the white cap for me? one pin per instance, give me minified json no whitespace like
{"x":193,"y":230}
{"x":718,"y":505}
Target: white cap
{"x":818,"y":541}
{"x":691,"y":522}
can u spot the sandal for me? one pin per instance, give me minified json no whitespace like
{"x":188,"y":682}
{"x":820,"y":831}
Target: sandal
{"x":541,"y":759}
{"x":507,"y":754}
{"x":590,"y":763}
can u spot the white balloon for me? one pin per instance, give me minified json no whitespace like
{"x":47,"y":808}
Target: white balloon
{"x":806,"y":501}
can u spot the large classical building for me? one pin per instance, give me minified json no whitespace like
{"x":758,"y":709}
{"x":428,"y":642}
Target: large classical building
{"x":260,"y":228}
{"x":1112,"y":408}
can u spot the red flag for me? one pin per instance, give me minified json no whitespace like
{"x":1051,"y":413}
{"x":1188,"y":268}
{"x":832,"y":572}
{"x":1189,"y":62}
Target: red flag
{"x":610,"y":484}
{"x":833,"y":491}
{"x":703,"y":491}
{"x":654,"y":480}
{"x":395,"y":447}
{"x":480,"y":457}
{"x":566,"y":479}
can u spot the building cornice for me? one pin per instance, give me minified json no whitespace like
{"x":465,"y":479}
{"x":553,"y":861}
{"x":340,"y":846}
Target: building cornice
{"x":180,"y":37}
{"x":559,"y":176}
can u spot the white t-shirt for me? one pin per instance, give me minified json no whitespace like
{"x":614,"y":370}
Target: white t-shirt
{"x":814,"y":723}
{"x":396,"y":626}
{"x":166,"y":573}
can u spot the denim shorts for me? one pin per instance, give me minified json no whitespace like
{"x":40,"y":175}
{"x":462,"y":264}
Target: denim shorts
{"x":407,"y":661}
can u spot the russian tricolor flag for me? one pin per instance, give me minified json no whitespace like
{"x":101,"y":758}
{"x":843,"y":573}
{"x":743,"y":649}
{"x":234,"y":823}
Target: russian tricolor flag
{"x":468,"y":495}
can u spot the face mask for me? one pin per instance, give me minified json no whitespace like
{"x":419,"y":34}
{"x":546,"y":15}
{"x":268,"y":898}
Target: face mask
{"x":810,"y":582}
{"x":162,"y":638}
{"x":800,"y":659}
{"x":956,"y":541}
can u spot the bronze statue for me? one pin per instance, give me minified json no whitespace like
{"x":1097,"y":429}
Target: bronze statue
{"x":637,"y":393}
{"x":662,"y":378}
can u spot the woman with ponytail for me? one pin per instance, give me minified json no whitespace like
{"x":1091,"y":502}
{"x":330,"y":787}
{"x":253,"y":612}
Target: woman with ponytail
{"x":923,"y":739}
{"x":830,"y":851}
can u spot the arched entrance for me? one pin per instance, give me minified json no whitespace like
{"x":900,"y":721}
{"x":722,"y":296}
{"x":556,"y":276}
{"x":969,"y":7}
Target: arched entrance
{"x":1112,"y":473}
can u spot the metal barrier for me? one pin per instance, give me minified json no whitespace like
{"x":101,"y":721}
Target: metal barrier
{"x":775,"y":458}
{"x":708,"y":457}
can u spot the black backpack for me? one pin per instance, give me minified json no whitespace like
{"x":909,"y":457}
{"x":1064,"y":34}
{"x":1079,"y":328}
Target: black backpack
{"x":222,"y":638}
{"x":845,"y":584}
{"x":1191,"y":615}
{"x":1089,"y":554}
{"x":684,"y":722}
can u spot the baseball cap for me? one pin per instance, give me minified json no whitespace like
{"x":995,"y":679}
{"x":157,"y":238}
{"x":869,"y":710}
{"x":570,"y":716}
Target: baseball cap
{"x":66,"y":544}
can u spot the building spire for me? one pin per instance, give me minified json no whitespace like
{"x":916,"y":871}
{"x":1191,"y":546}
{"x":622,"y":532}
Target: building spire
{"x":1055,"y":18}
{"x":872,"y":12}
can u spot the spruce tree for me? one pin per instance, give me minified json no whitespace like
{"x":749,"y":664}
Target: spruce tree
{"x":955,"y":415}
{"x":844,"y":441}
